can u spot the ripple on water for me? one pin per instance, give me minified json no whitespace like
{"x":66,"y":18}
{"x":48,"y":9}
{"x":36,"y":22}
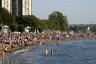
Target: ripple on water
{"x":66,"y":52}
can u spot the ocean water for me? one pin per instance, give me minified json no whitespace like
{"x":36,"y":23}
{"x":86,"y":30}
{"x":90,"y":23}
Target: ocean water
{"x":65,"y":52}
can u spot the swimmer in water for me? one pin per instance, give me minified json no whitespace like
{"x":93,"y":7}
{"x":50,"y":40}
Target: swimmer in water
{"x":56,"y":44}
{"x":51,"y":52}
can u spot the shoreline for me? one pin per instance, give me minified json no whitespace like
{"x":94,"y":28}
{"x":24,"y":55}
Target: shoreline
{"x":31,"y":39}
{"x":16,"y":47}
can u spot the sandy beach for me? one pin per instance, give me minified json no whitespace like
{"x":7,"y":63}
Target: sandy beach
{"x":21,"y":40}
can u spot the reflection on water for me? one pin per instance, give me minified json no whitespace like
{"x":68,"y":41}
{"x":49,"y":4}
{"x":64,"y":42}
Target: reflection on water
{"x":66,"y":52}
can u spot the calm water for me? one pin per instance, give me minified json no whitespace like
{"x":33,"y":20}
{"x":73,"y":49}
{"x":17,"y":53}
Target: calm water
{"x":66,"y":52}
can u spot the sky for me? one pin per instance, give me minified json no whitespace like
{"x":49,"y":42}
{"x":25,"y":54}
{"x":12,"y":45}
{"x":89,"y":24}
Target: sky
{"x":77,"y":11}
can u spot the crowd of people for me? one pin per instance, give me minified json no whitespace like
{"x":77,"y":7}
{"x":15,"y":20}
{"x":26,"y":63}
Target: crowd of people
{"x":18,"y":38}
{"x":12,"y":39}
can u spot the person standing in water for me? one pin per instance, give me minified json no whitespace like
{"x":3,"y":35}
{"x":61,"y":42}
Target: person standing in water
{"x":46,"y":52}
{"x":12,"y":48}
{"x":3,"y":55}
{"x":51,"y":52}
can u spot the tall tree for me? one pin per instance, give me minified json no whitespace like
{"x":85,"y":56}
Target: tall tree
{"x":0,"y":19}
{"x":59,"y":17}
{"x":7,"y":18}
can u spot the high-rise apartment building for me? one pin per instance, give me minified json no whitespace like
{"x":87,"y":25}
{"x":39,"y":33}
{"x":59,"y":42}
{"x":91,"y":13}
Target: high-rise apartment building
{"x":6,"y":4}
{"x":27,"y":7}
{"x":18,"y":7}
{"x":0,"y":3}
{"x":0,"y":6}
{"x":15,"y":7}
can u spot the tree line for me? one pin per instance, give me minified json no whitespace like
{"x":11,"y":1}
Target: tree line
{"x":56,"y":21}
{"x":82,"y":28}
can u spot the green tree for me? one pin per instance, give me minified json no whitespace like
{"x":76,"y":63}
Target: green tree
{"x":59,"y":17}
{"x":41,"y":25}
{"x":21,"y":27}
{"x":73,"y":28}
{"x":52,"y":24}
{"x":32,"y":21}
{"x":32,"y":29}
{"x":7,"y":18}
{"x":26,"y":20}
{"x":14,"y":27}
{"x":0,"y":19}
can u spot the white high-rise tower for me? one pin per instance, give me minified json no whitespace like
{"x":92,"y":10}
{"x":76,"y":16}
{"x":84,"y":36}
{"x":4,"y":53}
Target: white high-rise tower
{"x":6,"y":4}
{"x":17,"y":7}
{"x":27,"y":7}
